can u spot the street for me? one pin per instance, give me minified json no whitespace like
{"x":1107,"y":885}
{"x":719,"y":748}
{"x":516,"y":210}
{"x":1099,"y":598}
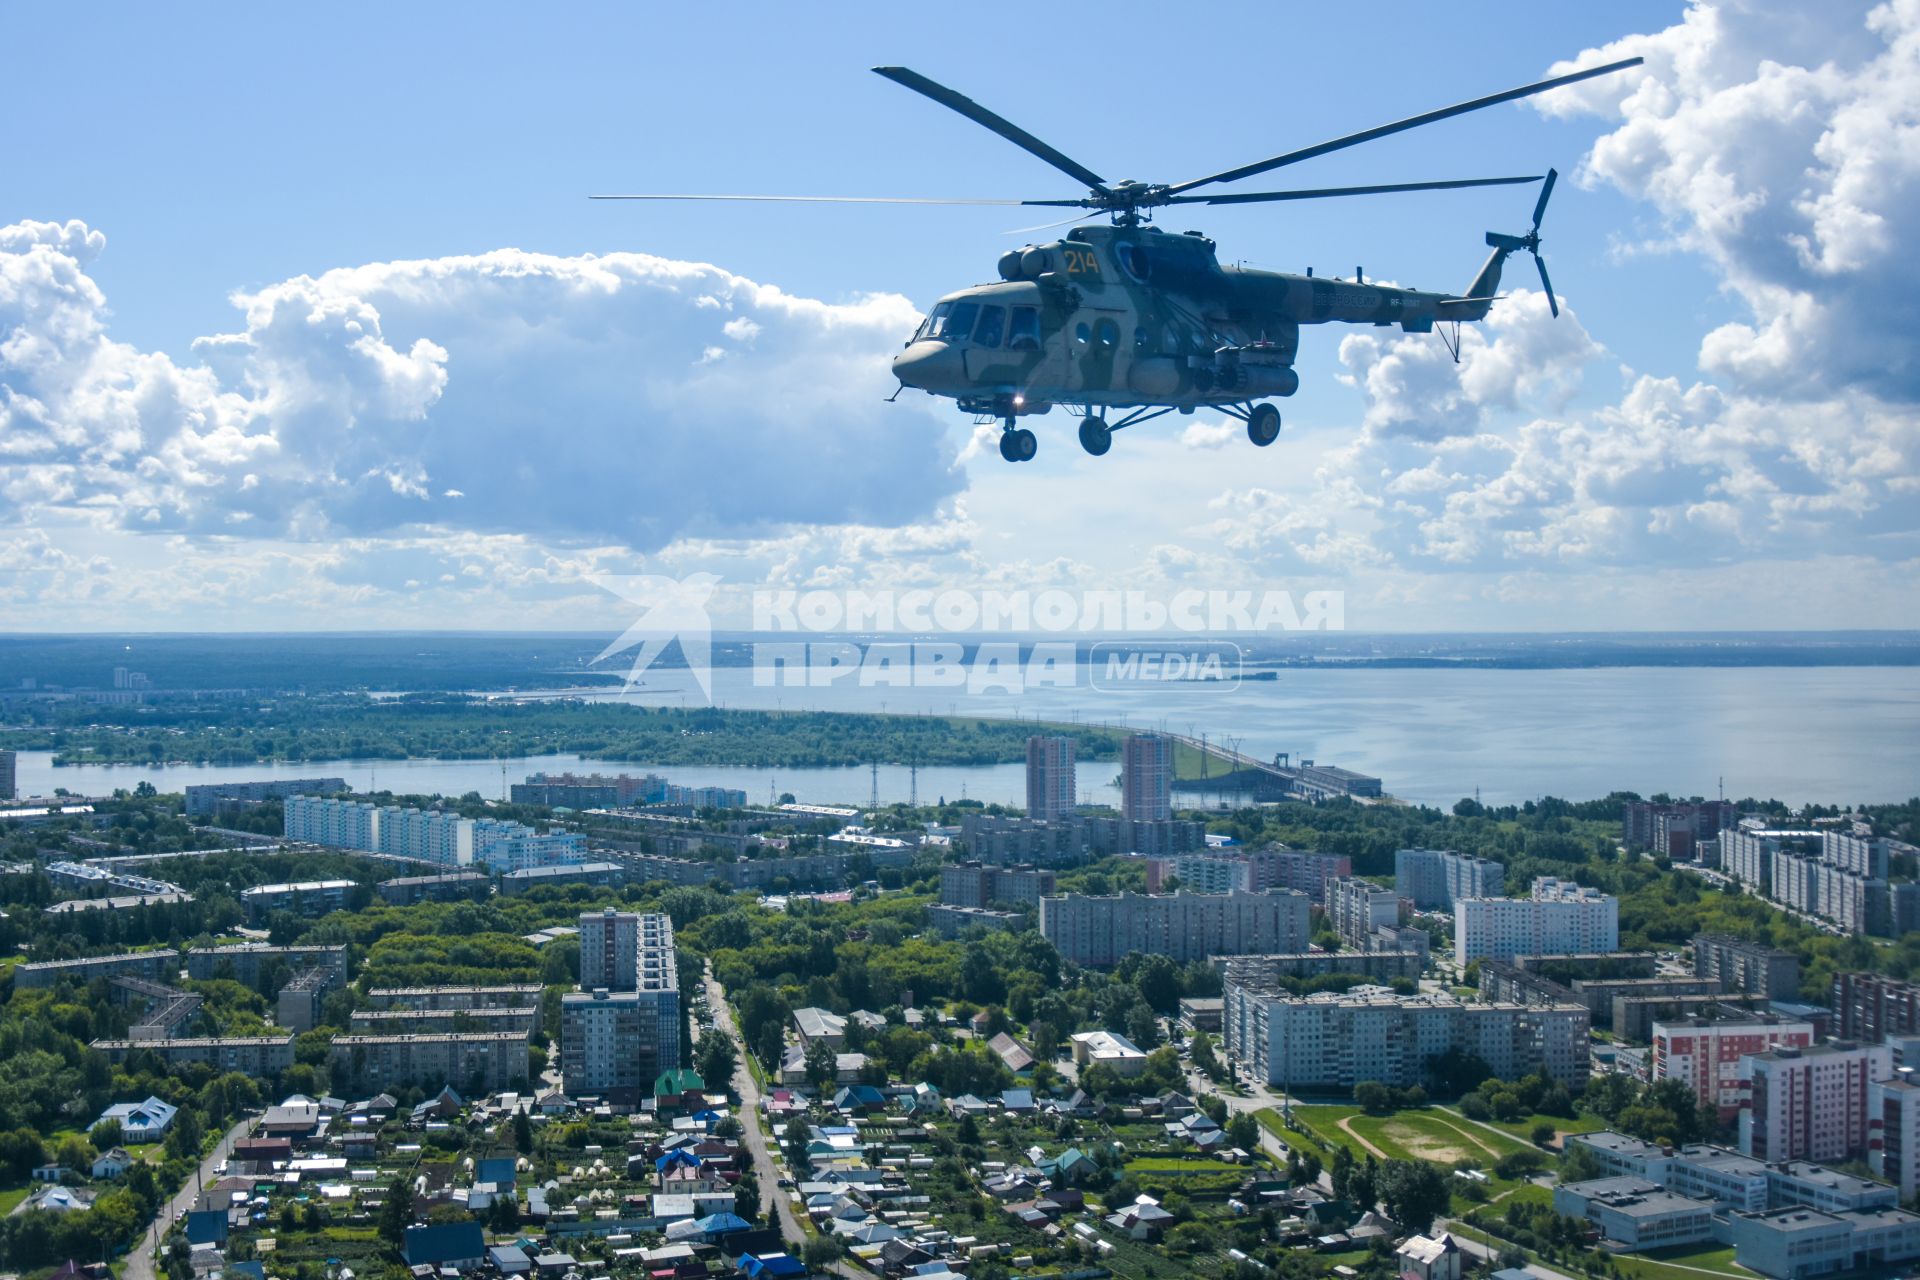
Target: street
{"x":140,"y":1259}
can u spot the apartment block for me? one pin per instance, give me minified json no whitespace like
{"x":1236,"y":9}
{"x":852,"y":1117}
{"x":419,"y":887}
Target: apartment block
{"x":1146,"y":777}
{"x":1337,"y":1040}
{"x":451,"y":886}
{"x":1675,"y":829}
{"x":1750,"y":967}
{"x":1435,"y":879}
{"x":1831,"y":875}
{"x":303,"y":898}
{"x":1252,"y":870}
{"x":981,"y":884}
{"x":1812,"y":1103}
{"x":610,"y":950}
{"x":951,"y":921}
{"x":589,"y":791}
{"x":338,"y":824}
{"x":1870,"y":1007}
{"x":1710,"y":1056}
{"x":508,"y":996}
{"x":245,"y":962}
{"x":1355,"y":908}
{"x":1603,"y":994}
{"x":208,"y":799}
{"x":1559,"y":917}
{"x":1264,"y":971}
{"x":522,"y":1021}
{"x":1099,"y":931}
{"x":1051,"y":785}
{"x":616,"y":1042}
{"x":472,"y":1062}
{"x":594,"y":873}
{"x":260,"y":1056}
{"x":297,"y":1007}
{"x":155,"y":966}
{"x":1893,"y":1114}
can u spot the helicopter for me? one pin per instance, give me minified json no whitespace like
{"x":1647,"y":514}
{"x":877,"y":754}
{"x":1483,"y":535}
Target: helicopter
{"x":1132,"y":319}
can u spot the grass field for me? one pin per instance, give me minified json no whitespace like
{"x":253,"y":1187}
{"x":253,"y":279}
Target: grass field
{"x":1682,"y":1264}
{"x":1523,"y":1127}
{"x":1174,"y":1164}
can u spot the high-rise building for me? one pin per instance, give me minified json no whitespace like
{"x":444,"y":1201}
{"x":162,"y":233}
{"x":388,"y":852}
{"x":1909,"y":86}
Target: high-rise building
{"x":978,"y":884}
{"x":1050,"y":776}
{"x":617,"y":1042}
{"x":1435,"y":879}
{"x":1893,"y":1108}
{"x":1559,"y":918}
{"x":206,"y":799}
{"x":1255,"y":870}
{"x":1871,"y":1007}
{"x":1355,"y":908}
{"x":1146,"y":777}
{"x":609,"y":950}
{"x":1811,"y":1103}
{"x":1707,"y":1056}
{"x":1747,"y":968}
{"x":1675,"y":829}
{"x":1100,"y":931}
{"x":9,"y":775}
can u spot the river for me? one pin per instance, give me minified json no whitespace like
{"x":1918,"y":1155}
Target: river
{"x":1797,"y":734}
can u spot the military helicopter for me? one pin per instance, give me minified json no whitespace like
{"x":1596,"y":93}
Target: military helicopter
{"x":1131,"y":318}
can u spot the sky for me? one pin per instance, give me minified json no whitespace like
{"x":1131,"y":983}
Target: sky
{"x":307,"y":323}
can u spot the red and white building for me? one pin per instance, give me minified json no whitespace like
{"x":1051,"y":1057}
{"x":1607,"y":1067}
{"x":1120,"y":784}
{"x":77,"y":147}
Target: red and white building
{"x":1709,"y":1055}
{"x":1812,"y":1103}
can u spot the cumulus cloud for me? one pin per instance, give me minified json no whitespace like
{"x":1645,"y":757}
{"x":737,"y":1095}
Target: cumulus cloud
{"x":570,"y":399}
{"x":1781,"y":140}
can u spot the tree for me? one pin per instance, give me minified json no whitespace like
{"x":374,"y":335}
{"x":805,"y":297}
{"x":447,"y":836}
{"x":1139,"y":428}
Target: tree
{"x":718,"y":1059}
{"x":105,"y":1135}
{"x":503,"y":1215}
{"x":1414,"y":1192}
{"x":1543,"y":1134}
{"x":820,"y":1252}
{"x":522,"y":1133}
{"x":396,"y":1215}
{"x":821,"y":1064}
{"x":1243,"y":1131}
{"x":746,"y":1196}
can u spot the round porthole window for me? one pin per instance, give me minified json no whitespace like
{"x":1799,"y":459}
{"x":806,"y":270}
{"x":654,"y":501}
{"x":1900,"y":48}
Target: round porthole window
{"x":1082,"y":334}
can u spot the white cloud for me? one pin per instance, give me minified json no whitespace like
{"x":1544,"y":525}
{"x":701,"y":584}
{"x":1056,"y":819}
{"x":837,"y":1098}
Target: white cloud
{"x":564,"y":398}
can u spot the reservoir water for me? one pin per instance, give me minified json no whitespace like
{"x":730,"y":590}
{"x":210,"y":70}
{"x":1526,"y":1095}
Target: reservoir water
{"x":1797,"y":734}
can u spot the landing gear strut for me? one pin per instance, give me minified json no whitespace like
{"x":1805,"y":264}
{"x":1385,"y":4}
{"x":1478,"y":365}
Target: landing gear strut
{"x":1095,"y":436}
{"x":1017,"y":444}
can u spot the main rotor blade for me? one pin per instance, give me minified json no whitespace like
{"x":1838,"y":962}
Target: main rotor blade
{"x":1005,"y":128}
{"x":1412,"y":122}
{"x":844,"y":199}
{"x":1553,"y":303}
{"x":1546,"y":193}
{"x":1261,"y":197}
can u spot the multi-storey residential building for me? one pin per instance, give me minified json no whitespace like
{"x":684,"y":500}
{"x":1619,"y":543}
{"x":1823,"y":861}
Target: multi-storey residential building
{"x":1336,"y":1040}
{"x":1099,"y":931}
{"x":1559,"y":917}
{"x":449,"y":886}
{"x":597,"y":873}
{"x":258,"y":1056}
{"x":1675,"y":829}
{"x":1435,"y":879}
{"x":1216,"y":871}
{"x":506,"y":996}
{"x":428,"y":835}
{"x":1832,"y":875}
{"x":706,"y":797}
{"x":304,"y":898}
{"x":245,"y":962}
{"x":1893,"y":1114}
{"x":155,"y":966}
{"x":1811,"y":1103}
{"x":1709,"y":1056}
{"x":1602,"y":995}
{"x":1051,"y":785}
{"x":1266,"y":970}
{"x":472,"y":1062}
{"x":338,"y":824}
{"x":298,"y":1004}
{"x":616,"y":1042}
{"x":524,"y":1020}
{"x":1752,"y":968}
{"x":1871,"y":1007}
{"x":1254,"y":870}
{"x":589,"y":791}
{"x":1855,"y":850}
{"x":827,"y":869}
{"x":1146,"y":777}
{"x":950,"y":921}
{"x":207,"y":799}
{"x":1355,"y":908}
{"x":980,"y":884}
{"x":610,"y":950}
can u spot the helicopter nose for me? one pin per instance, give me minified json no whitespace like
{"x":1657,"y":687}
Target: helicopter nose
{"x":931,"y":366}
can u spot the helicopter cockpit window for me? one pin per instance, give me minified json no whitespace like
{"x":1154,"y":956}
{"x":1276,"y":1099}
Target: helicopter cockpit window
{"x":1081,"y":334}
{"x":1133,"y":261}
{"x":1107,"y":334}
{"x":1024,"y":334}
{"x":993,"y":321}
{"x":931,"y":324}
{"x":958,"y":323}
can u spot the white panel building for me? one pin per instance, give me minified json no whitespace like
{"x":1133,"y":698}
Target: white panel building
{"x":1560,"y":918}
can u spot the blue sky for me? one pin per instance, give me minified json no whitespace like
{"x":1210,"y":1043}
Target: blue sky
{"x":1662,"y":451}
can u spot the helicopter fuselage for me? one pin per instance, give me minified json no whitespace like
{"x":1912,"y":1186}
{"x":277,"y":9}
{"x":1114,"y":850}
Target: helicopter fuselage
{"x":1131,"y":316}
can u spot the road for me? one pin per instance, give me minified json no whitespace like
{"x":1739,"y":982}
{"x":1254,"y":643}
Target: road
{"x":140,"y":1260}
{"x":748,"y":1091}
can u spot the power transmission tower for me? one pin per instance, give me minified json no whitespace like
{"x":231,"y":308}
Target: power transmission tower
{"x":873,"y":799}
{"x":913,"y":783}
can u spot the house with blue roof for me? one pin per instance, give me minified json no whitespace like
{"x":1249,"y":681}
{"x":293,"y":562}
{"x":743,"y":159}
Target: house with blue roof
{"x":772,"y":1266}
{"x":207,"y":1226}
{"x":142,"y":1121}
{"x":445,"y":1244}
{"x":497,"y":1170}
{"x":859,"y":1097}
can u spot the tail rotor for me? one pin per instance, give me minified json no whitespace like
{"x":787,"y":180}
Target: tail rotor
{"x":1531,"y":241}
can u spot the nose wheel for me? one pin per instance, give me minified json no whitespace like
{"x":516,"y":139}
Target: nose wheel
{"x":1017,"y":444}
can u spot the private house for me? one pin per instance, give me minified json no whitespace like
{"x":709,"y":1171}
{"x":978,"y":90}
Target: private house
{"x":142,"y":1121}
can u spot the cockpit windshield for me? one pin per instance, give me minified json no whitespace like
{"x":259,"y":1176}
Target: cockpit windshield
{"x":957,"y":324}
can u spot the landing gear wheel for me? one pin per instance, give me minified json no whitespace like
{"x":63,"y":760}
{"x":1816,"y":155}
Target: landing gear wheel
{"x":1095,"y":436}
{"x":1263,"y":424}
{"x":1008,"y":444}
{"x":1025,"y":444}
